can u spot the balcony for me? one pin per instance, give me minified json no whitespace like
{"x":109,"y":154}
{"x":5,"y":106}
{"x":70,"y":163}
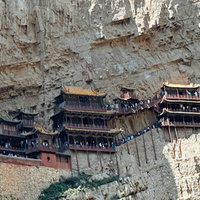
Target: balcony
{"x":91,"y":148}
{"x":88,"y":126}
{"x":40,"y":148}
{"x":9,"y":132}
{"x":181,"y":124}
{"x":79,"y":107}
{"x":182,"y":97}
{"x":25,"y":124}
{"x":12,"y":149}
{"x":140,"y":106}
{"x":195,"y":111}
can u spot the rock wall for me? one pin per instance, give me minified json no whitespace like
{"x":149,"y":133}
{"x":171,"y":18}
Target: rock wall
{"x":20,"y":182}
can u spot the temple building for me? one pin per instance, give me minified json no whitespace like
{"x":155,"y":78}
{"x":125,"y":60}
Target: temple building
{"x":11,"y":142}
{"x":22,"y":137}
{"x":128,"y":101}
{"x":180,"y":105}
{"x":43,"y":145}
{"x":83,"y":121}
{"x":27,"y":121}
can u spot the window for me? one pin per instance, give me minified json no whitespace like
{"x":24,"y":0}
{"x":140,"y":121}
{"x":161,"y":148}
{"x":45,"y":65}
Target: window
{"x":9,"y":127}
{"x":48,"y":158}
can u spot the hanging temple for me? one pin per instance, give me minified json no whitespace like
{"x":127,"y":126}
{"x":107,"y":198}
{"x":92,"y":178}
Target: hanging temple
{"x":83,"y":122}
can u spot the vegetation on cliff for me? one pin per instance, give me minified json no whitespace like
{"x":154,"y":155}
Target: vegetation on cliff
{"x":56,"y":190}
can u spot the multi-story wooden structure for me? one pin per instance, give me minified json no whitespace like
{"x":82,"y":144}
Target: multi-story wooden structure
{"x":23,"y":138}
{"x":11,"y":142}
{"x":128,"y":101}
{"x":83,"y":121}
{"x":180,"y":106}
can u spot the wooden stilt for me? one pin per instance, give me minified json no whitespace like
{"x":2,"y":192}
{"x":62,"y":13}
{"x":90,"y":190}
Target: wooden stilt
{"x":118,"y":172}
{"x":127,"y":148}
{"x":170,"y":134}
{"x":174,"y":149}
{"x":180,"y":150}
{"x":145,"y":153}
{"x":99,"y":155}
{"x":88,"y":159}
{"x":137,"y":152}
{"x":77,"y":161}
{"x":153,"y":145}
{"x":176,"y":134}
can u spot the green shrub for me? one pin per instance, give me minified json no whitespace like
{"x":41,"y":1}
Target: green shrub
{"x":53,"y":191}
{"x":57,"y":189}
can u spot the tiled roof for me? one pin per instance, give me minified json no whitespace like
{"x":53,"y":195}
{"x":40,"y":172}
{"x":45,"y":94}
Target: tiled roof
{"x":81,"y":91}
{"x":40,"y":128}
{"x":175,"y":85}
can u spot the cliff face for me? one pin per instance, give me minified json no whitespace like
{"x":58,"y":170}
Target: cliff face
{"x":94,"y":44}
{"x":101,"y":45}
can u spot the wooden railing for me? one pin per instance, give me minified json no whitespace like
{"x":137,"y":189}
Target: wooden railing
{"x":144,"y":105}
{"x":91,"y":148}
{"x":88,"y":126}
{"x":185,"y":97}
{"x":77,"y":107}
{"x":184,"y":110}
{"x":8,"y":132}
{"x":181,"y":124}
{"x":31,"y":149}
{"x":15,"y":149}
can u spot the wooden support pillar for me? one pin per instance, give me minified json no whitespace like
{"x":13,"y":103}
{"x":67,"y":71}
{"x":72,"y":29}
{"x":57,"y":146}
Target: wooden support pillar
{"x":128,"y":151}
{"x":118,"y":172}
{"x":88,"y":159}
{"x":99,"y":156}
{"x":174,"y":151}
{"x":176,"y":134}
{"x":145,"y":153}
{"x":77,"y":164}
{"x":170,"y":135}
{"x":153,"y":145}
{"x":138,"y":157}
{"x":180,"y":150}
